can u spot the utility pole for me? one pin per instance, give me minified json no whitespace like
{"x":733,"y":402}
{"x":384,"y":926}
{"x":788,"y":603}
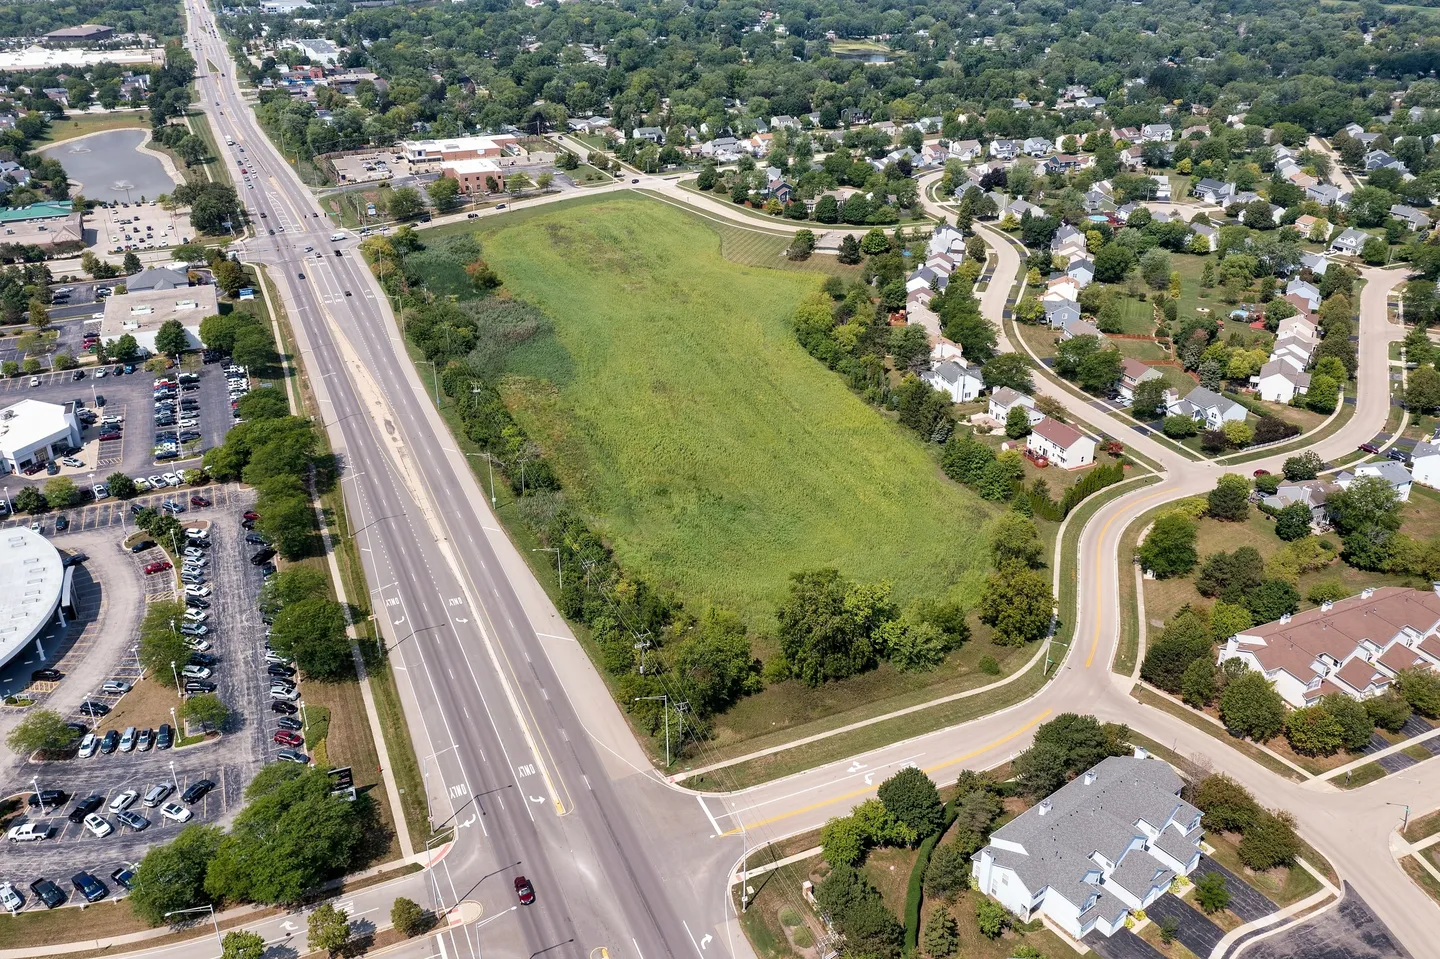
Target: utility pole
{"x":665,"y":704}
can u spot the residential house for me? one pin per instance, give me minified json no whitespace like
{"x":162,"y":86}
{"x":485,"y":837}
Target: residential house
{"x":1003,"y":149}
{"x":1061,"y":444}
{"x":926,"y":278}
{"x":1037,"y":146}
{"x":1327,"y":195}
{"x":1380,"y":160}
{"x":1354,"y":646}
{"x":1280,"y":382}
{"x":1132,"y":374}
{"x":1018,"y":208}
{"x":1304,"y":224}
{"x":1068,"y":163}
{"x":1368,"y":139}
{"x":1211,"y":235}
{"x":1157,"y":133}
{"x":1097,"y":198}
{"x":1061,"y":288}
{"x":1132,"y":158}
{"x":1425,"y":464}
{"x":784,"y":122}
{"x":1068,"y":241}
{"x":1095,"y":850}
{"x":1082,"y":271}
{"x":946,"y":239}
{"x":1090,"y":103}
{"x":1206,"y":407}
{"x":1315,"y":263}
{"x":1003,"y":399}
{"x":1313,"y":493}
{"x":1214,"y":192}
{"x":1393,"y":473}
{"x":652,"y":134}
{"x":1305,"y":291}
{"x":1060,"y":313}
{"x":1082,"y":328}
{"x":1302,"y":325}
{"x":1412,"y":217}
{"x":1162,"y":187}
{"x":1349,"y":241}
{"x":962,"y":382}
{"x":965,"y":150}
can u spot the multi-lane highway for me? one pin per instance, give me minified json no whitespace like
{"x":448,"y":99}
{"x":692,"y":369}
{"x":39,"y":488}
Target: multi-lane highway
{"x":525,"y":753}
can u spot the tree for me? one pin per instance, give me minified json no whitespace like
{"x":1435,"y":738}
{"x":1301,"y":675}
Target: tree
{"x":1422,"y":389}
{"x":859,"y":913}
{"x":991,"y":917}
{"x":826,"y":625}
{"x":1112,"y":262}
{"x":1231,"y":575}
{"x":242,"y":945}
{"x":1211,"y":893}
{"x":328,"y":928}
{"x":1268,"y":842}
{"x":444,"y":193}
{"x":161,"y":642}
{"x":1369,"y":501}
{"x":171,"y":339}
{"x":1008,"y":369}
{"x":1184,"y":640}
{"x":1018,"y":604}
{"x":409,"y":918}
{"x":1356,"y":726}
{"x":1250,"y":706}
{"x":912,"y":799}
{"x":61,"y":492}
{"x":1324,"y":393}
{"x":1179,"y":426}
{"x":41,"y":730}
{"x":1389,"y":711}
{"x":130,"y":264}
{"x":843,"y":841}
{"x":1272,"y":599}
{"x":942,"y":935}
{"x":206,"y":710}
{"x":1155,"y":268}
{"x":1313,"y":731}
{"x":124,"y":349}
{"x":874,"y":242}
{"x":312,"y":631}
{"x":1292,"y":522}
{"x":1014,"y":538}
{"x":1230,"y":499}
{"x":802,"y":246}
{"x":1169,"y":548}
{"x":405,"y":202}
{"x":1227,"y":805}
{"x":1197,"y":684}
{"x":29,"y":500}
{"x":948,"y":873}
{"x":120,"y":485}
{"x":1305,"y":466}
{"x":172,"y":876}
{"x":849,"y":249}
{"x":1149,"y":399}
{"x":1017,"y":422}
{"x":1421,"y":688}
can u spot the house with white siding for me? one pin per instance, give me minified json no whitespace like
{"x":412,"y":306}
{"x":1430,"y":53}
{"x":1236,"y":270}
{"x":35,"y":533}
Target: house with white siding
{"x":1061,"y":444}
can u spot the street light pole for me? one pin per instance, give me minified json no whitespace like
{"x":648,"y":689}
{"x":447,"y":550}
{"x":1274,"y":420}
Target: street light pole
{"x":1405,"y":820}
{"x":176,"y":674}
{"x":213,"y":920}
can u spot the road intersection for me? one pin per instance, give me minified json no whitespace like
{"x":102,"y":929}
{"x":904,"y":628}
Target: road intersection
{"x":525,"y":754}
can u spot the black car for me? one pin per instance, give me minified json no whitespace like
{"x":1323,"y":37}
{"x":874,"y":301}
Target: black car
{"x":143,"y":545}
{"x":78,"y":375}
{"x":262,"y":556}
{"x":124,"y":877}
{"x":88,"y":886}
{"x":255,"y":539}
{"x":48,"y":893}
{"x":196,"y":602}
{"x":46,"y":676}
{"x":1398,"y":454}
{"x":189,"y":435}
{"x":268,"y":570}
{"x":247,"y":524}
{"x":284,"y":708}
{"x":284,"y":722}
{"x":99,"y":399}
{"x":47,"y":798}
{"x":203,"y":659}
{"x":164,"y":738}
{"x":110,"y":743}
{"x":196,"y":791}
{"x":87,"y":805}
{"x":61,"y":523}
{"x":92,"y":708}
{"x":199,"y":686}
{"x":52,"y":467}
{"x":278,"y":669}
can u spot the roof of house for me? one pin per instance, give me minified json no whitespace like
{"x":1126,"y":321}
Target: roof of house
{"x":1424,"y":449}
{"x":1133,"y":369}
{"x":1280,"y":368}
{"x":1203,"y":399}
{"x":1400,"y":657}
{"x":1096,"y":815}
{"x":953,"y":372}
{"x":1390,"y":471}
{"x":1359,"y":675}
{"x":1083,"y":328}
{"x":1061,"y":434}
{"x":1007,"y":397}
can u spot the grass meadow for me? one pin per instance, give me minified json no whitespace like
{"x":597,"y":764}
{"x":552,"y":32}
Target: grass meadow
{"x":714,"y":454}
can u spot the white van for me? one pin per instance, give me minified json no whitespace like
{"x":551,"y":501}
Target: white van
{"x":337,"y":237}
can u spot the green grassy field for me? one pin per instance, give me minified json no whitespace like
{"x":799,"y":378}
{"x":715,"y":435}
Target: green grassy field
{"x":681,"y":415}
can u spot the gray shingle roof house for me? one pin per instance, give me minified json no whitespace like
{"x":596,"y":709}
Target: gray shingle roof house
{"x":1097,"y":848}
{"x":156,"y":278}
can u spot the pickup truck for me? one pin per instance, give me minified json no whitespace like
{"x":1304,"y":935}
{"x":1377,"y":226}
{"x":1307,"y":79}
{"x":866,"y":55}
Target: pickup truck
{"x":29,"y":832}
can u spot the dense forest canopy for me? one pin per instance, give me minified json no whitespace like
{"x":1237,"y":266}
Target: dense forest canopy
{"x":158,"y":18}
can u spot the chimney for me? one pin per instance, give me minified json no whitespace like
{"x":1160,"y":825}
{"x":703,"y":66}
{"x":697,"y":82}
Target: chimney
{"x":1367,"y":592}
{"x":1089,"y":777}
{"x":1044,"y":807}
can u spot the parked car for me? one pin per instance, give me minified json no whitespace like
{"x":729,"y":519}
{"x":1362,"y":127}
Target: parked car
{"x":30,"y":832}
{"x":98,"y":826}
{"x":164,"y":738}
{"x":142,"y":546}
{"x":10,"y":900}
{"x":127,"y":739}
{"x":91,"y":708}
{"x":284,"y":737}
{"x":292,"y":756}
{"x":88,"y":745}
{"x":85,"y":807}
{"x":87,"y":885}
{"x":124,"y":877}
{"x":47,"y":799}
{"x":157,"y":794}
{"x":147,"y":740}
{"x":123,"y":801}
{"x":133,"y":820}
{"x":46,"y":676}
{"x":176,"y":812}
{"x":116,"y":686}
{"x":48,"y":893}
{"x":284,"y":708}
{"x":110,"y":742}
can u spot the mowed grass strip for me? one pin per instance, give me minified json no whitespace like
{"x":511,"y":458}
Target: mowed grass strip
{"x":684,"y":419}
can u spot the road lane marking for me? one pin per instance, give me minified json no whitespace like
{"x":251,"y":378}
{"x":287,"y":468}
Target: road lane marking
{"x":928,"y":769}
{"x":1095,"y":642}
{"x":708,"y":815}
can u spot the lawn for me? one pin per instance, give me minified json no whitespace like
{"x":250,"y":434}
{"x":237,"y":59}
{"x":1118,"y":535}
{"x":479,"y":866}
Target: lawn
{"x":78,"y":125}
{"x":712,"y":452}
{"x":1282,"y":885}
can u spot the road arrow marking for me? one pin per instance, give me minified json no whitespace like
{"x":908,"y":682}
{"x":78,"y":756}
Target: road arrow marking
{"x":537,"y":798}
{"x":289,"y":926}
{"x":705,"y":940}
{"x":869,"y":779}
{"x":855,"y":767}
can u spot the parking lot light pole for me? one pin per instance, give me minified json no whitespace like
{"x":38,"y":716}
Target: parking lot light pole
{"x":213,"y":921}
{"x":1405,"y":821}
{"x":176,"y":674}
{"x":35,"y":781}
{"x":178,"y":731}
{"x":173,"y":778}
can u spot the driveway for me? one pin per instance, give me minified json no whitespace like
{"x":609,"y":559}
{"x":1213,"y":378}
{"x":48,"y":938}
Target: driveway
{"x":1245,"y":901}
{"x":1349,"y":931}
{"x":1194,"y":931}
{"x":1123,"y":945}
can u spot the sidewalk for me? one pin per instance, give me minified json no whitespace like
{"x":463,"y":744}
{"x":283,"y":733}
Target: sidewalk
{"x":1368,"y":758}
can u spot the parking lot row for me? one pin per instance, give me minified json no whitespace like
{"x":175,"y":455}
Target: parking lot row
{"x":117,"y":512}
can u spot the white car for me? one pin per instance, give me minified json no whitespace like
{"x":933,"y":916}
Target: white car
{"x":124,"y":801}
{"x":97,"y":316}
{"x":198,"y":645}
{"x":193,"y":671}
{"x":199,"y":591}
{"x":98,"y":826}
{"x":34,"y":381}
{"x":101,"y":491}
{"x":117,"y":686}
{"x":72,"y":462}
{"x":172,"y":479}
{"x":157,"y":482}
{"x":287,"y":693}
{"x":88,"y":745}
{"x":142,"y":484}
{"x":10,"y":899}
{"x":176,"y":812}
{"x":194,"y":552}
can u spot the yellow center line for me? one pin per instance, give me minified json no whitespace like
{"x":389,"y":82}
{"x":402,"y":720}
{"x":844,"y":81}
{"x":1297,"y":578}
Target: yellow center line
{"x":1099,"y":604}
{"x":928,"y":769}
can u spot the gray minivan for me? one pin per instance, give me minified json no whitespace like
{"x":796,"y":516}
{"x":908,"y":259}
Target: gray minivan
{"x":127,"y":739}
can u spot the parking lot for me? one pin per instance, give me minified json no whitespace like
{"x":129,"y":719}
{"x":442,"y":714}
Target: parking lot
{"x":136,"y":226}
{"x":236,"y":643}
{"x":130,"y":397}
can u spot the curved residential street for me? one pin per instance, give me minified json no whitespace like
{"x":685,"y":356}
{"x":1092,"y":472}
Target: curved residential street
{"x":526,"y":753}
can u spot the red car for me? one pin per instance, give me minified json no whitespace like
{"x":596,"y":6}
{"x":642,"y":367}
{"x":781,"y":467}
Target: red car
{"x":1369,"y":448}
{"x":159,"y":566}
{"x":524,"y":890}
{"x":112,"y":435}
{"x":250,"y":514}
{"x":284,"y":737}
{"x":199,"y":501}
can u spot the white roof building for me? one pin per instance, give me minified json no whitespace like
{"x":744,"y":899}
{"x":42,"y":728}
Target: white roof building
{"x":33,"y":432}
{"x":32,"y":577}
{"x":142,"y":314}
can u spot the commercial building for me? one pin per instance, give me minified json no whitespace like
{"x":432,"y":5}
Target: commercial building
{"x":1354,"y":646}
{"x":1095,"y":850}
{"x":33,"y":432}
{"x":434,"y":152}
{"x":476,"y":176}
{"x":45,"y":58}
{"x":142,"y":314}
{"x":33,"y":582}
{"x":319,"y":51}
{"x":84,"y":33}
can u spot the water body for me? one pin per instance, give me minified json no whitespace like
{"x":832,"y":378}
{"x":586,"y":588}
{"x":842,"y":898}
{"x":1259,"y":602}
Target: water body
{"x":108,"y":163}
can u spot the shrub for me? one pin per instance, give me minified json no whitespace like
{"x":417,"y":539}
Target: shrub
{"x":989,"y":665}
{"x":991,"y":917}
{"x":1250,"y":706}
{"x":409,"y":918}
{"x":1313,"y":731}
{"x":1178,"y":427}
{"x":1211,"y":893}
{"x":1227,"y":805}
{"x":1389,"y":711}
{"x":1269,"y":842}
